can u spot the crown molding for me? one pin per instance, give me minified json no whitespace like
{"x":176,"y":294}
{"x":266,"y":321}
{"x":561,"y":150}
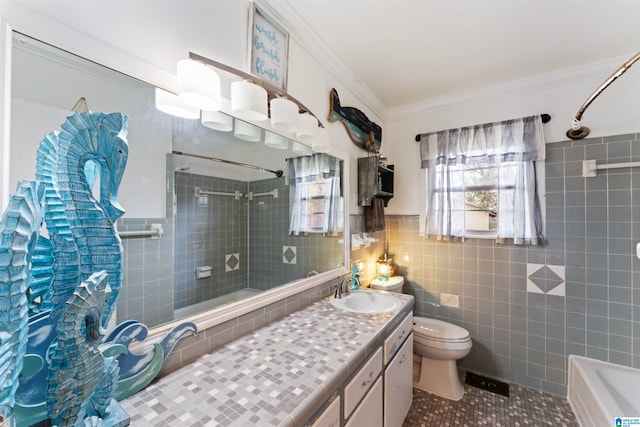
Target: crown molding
{"x":310,"y":41}
{"x":567,"y":76}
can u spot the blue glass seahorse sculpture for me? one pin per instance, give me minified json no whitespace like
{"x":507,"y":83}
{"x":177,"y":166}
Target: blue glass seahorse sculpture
{"x":81,"y":380}
{"x":83,"y":240}
{"x":100,"y":138}
{"x":19,"y":230}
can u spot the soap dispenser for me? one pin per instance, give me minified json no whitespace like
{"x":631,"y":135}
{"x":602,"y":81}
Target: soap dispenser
{"x":355,"y":276}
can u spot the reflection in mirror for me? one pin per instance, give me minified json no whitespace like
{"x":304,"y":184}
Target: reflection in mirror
{"x":215,"y":247}
{"x":234,"y":237}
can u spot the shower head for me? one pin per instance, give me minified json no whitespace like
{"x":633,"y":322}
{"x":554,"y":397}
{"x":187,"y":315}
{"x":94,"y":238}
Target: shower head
{"x":182,"y":168}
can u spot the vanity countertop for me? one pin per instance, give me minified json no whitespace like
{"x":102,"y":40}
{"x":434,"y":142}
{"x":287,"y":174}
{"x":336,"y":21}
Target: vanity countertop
{"x":278,"y":375}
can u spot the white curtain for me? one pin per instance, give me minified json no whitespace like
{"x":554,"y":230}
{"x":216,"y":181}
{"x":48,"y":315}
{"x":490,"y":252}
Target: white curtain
{"x":324,"y":170}
{"x":513,"y":147}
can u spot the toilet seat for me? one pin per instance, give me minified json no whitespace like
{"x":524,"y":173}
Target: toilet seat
{"x":451,"y":345}
{"x":434,"y":330}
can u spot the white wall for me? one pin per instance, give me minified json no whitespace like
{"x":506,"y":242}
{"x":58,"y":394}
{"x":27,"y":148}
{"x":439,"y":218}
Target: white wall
{"x":159,"y":33}
{"x":615,"y":111}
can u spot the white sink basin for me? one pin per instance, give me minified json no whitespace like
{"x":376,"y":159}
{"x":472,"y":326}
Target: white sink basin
{"x":366,"y":302}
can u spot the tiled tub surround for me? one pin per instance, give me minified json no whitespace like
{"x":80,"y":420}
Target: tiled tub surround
{"x":147,"y":273}
{"x":523,"y":333}
{"x":275,"y":257}
{"x":245,"y":242}
{"x":281,"y":374}
{"x":211,"y":230}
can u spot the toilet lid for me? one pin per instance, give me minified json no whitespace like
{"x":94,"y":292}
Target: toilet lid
{"x":439,"y":330}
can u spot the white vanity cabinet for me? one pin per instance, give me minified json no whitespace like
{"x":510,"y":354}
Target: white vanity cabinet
{"x":398,"y":375}
{"x":379,"y":394}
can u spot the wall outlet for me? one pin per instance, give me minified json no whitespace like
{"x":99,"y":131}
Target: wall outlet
{"x":450,"y":300}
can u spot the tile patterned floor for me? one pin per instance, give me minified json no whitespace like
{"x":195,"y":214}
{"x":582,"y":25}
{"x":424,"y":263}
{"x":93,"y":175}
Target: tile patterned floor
{"x":523,"y":407}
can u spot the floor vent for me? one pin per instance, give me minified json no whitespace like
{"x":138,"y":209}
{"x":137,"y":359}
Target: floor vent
{"x":489,"y":384}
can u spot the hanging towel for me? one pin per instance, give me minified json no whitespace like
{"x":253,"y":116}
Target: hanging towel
{"x":374,"y":215}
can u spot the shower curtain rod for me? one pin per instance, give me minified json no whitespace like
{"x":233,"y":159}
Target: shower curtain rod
{"x":277,"y":173}
{"x":546,"y":118}
{"x":579,"y":132}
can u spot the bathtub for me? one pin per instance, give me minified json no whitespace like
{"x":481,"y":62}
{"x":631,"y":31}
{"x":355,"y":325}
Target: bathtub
{"x":600,"y":391}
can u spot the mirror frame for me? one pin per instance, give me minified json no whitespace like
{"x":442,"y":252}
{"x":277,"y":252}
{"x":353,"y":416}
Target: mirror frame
{"x":17,"y":18}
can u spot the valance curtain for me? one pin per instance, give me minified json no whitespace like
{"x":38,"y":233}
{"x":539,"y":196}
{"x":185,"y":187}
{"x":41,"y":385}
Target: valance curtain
{"x":512,"y":147}
{"x":321,"y":169}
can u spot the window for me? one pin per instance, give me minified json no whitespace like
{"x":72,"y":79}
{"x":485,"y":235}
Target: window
{"x":482,"y":182}
{"x":480,"y":187}
{"x":316,"y":204}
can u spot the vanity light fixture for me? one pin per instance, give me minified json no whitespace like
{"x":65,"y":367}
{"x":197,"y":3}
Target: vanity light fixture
{"x":276,"y":141}
{"x":307,"y":127}
{"x":217,"y":121}
{"x":251,"y":97}
{"x":246,"y":131}
{"x":172,"y":104}
{"x":249,"y":101}
{"x":284,"y":115}
{"x":273,"y":92}
{"x":303,"y":150}
{"x":199,"y":85}
{"x":321,"y":143}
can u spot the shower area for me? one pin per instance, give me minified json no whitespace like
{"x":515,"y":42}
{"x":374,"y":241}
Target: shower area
{"x":231,"y":240}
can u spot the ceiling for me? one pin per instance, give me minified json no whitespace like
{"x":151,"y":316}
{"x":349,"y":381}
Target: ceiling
{"x":407,"y":52}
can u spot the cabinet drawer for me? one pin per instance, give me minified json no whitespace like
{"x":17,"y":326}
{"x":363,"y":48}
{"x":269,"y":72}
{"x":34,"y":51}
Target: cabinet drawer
{"x":362,"y":382}
{"x":395,"y":340}
{"x":331,"y":416}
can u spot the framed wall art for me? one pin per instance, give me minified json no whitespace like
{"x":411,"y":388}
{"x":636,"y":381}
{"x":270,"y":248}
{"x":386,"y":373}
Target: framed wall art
{"x":268,"y":48}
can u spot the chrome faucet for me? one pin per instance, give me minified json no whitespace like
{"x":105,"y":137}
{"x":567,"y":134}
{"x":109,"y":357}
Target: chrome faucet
{"x":342,"y":287}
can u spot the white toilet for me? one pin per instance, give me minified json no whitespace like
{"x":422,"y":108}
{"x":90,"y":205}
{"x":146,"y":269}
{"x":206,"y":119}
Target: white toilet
{"x":437,"y":345}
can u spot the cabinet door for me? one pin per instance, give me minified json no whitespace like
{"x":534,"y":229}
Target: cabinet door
{"x":369,"y":413}
{"x":398,"y":385}
{"x":331,"y":416}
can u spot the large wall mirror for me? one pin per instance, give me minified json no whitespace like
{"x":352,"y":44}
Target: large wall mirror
{"x":226,"y":226}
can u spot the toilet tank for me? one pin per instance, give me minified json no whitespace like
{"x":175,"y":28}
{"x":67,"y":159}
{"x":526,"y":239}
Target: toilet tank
{"x":393,"y":284}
